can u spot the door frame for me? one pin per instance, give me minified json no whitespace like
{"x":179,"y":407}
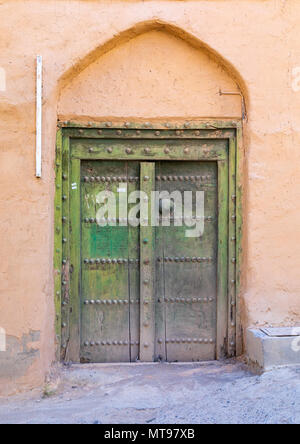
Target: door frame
{"x":67,"y":261}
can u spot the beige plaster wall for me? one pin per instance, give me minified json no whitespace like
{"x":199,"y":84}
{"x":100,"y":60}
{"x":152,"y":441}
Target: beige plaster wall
{"x":151,"y":76}
{"x":251,"y":43}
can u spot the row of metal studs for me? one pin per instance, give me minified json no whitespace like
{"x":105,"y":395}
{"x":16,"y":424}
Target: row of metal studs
{"x":97,"y":343}
{"x":186,"y":340}
{"x":185,"y":259}
{"x":146,"y":125}
{"x":132,"y":301}
{"x":110,"y":261}
{"x":182,"y":178}
{"x":160,"y":341}
{"x":159,"y":259}
{"x":110,"y":179}
{"x":187,"y":218}
{"x":148,"y":150}
{"x":183,"y":300}
{"x":103,"y":179}
{"x":92,"y":220}
{"x":111,"y":301}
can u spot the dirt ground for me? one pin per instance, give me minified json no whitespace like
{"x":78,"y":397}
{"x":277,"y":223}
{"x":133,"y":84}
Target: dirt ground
{"x":159,"y":393}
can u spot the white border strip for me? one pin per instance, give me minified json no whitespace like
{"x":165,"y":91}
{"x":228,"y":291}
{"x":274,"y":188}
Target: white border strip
{"x":39,"y":80}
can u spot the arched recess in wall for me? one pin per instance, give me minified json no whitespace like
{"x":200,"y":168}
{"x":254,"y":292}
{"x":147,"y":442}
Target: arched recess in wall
{"x":152,"y":70}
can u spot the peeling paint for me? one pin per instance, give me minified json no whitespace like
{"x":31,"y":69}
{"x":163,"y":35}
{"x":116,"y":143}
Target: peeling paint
{"x":19,"y":355}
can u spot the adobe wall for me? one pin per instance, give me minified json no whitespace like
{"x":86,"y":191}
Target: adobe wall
{"x":152,"y":59}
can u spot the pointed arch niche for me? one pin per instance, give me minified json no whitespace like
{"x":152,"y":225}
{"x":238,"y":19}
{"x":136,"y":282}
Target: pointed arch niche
{"x":151,"y":72}
{"x":157,"y":72}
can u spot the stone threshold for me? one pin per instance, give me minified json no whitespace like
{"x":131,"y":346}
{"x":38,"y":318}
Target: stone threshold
{"x":272,"y":347}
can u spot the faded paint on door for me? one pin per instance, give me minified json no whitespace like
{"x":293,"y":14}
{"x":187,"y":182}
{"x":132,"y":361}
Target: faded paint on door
{"x":184,"y":270}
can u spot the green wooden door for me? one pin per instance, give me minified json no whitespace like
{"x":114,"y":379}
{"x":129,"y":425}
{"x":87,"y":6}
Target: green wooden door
{"x":147,"y":293}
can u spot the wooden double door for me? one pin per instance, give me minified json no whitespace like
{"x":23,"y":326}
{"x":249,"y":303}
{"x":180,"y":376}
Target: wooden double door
{"x":148,"y":291}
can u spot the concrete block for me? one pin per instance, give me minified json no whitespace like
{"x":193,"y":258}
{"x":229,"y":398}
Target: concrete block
{"x":270,"y":348}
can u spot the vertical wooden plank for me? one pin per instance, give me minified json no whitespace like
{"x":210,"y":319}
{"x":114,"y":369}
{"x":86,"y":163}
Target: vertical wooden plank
{"x":65,"y":305}
{"x":232,"y":250}
{"x":105,"y":261}
{"x":239,"y":236}
{"x":133,"y":174}
{"x":222,"y":309}
{"x":73,"y":352}
{"x":160,"y":306}
{"x":58,"y":239}
{"x":147,"y":269}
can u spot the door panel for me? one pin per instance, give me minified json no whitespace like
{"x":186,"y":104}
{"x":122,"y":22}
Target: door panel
{"x":109,"y":299}
{"x":186,"y":270}
{"x":147,"y":292}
